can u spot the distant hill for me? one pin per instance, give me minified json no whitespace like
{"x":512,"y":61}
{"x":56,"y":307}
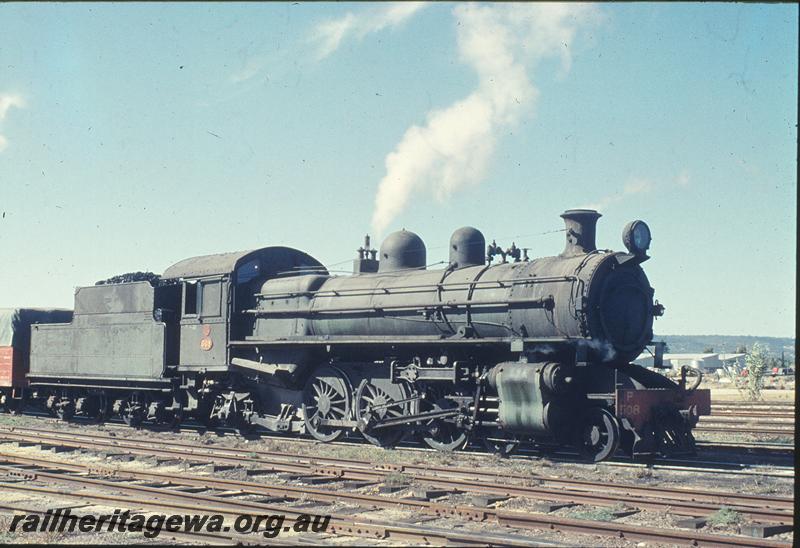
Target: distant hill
{"x":726,"y":343}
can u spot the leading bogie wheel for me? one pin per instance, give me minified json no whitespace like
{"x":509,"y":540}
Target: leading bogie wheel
{"x":326,"y":397}
{"x":599,"y":434}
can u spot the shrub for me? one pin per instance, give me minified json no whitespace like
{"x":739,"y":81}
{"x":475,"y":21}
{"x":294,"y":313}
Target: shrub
{"x":397,"y":478}
{"x":756,"y":367}
{"x":725,"y":516}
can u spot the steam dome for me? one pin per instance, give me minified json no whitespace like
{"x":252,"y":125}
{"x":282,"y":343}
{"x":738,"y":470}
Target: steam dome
{"x":402,"y":250}
{"x":467,"y":246}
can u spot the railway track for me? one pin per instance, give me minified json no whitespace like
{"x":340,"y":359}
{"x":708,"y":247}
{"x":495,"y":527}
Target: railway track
{"x":765,"y":509}
{"x":221,"y":538}
{"x":725,"y":419}
{"x":778,"y":448}
{"x":758,"y":418}
{"x":464,"y":479}
{"x":675,"y":464}
{"x":738,"y":429}
{"x":761,"y":403}
{"x":165,"y":498}
{"x":767,"y":415}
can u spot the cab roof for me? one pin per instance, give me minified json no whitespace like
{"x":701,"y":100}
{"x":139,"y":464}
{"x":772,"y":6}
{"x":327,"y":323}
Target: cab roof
{"x":274,"y":259}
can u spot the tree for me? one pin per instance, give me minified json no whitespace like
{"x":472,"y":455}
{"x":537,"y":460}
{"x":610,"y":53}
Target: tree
{"x":756,"y":363}
{"x":708,"y":350}
{"x":741,"y":349}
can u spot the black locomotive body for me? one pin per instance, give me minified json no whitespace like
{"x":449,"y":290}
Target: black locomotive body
{"x":517,"y":350}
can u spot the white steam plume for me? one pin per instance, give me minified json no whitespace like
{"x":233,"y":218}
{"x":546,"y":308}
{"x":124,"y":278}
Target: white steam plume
{"x":632,"y":187}
{"x":330,"y":34}
{"x":6,"y":102}
{"x":502,"y":43}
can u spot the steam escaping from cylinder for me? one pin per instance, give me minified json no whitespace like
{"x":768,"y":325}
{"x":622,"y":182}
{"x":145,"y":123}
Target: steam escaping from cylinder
{"x":605,"y":350}
{"x":453,"y":148}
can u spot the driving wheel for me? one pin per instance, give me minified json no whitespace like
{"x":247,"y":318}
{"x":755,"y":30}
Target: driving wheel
{"x":326,"y":397}
{"x":377,"y":400}
{"x":442,"y":434}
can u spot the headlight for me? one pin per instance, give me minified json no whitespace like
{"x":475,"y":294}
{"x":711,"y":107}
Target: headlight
{"x":636,"y":237}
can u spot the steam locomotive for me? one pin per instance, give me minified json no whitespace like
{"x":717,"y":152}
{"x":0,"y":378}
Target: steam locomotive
{"x":496,"y":347}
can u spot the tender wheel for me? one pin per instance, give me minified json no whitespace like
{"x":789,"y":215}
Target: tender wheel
{"x":326,"y":397}
{"x":501,"y":446}
{"x":132,"y":413}
{"x":98,"y":411}
{"x":66,"y":412}
{"x":175,"y":418}
{"x":599,"y":434}
{"x":442,"y":435}
{"x":101,"y":414}
{"x":169,"y":420}
{"x":14,"y":406}
{"x":379,"y":399}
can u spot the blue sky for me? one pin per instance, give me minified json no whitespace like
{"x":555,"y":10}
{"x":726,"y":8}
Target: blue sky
{"x":133,"y":136}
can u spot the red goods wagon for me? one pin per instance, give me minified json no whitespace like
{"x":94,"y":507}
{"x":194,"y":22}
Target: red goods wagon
{"x":15,"y":344}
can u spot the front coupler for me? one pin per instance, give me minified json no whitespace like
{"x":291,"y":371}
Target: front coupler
{"x":659,"y":421}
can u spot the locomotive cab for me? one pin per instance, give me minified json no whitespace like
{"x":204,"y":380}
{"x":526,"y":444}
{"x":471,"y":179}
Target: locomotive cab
{"x":217,"y":291}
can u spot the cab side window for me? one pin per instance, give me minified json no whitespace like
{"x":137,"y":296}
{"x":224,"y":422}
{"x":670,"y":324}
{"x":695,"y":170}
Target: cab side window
{"x":211,"y":301}
{"x":190,"y":298}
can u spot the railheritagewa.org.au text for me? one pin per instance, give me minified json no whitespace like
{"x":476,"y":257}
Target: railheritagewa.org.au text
{"x":152,"y":525}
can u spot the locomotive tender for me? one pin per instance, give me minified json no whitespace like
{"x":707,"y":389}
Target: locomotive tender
{"x":493,"y":350}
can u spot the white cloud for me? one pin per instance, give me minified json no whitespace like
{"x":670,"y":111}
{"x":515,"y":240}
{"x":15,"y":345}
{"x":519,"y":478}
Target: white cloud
{"x":642,"y":185}
{"x":10,"y":100}
{"x":6,"y":102}
{"x":251,"y":67}
{"x":502,"y":43}
{"x":330,"y":34}
{"x":634,"y":186}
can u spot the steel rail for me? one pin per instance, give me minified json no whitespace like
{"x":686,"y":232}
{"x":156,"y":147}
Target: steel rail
{"x":354,"y":469}
{"x":143,"y":496}
{"x":701,"y":427}
{"x":677,"y":506}
{"x":709,"y":467}
{"x":238,"y":456}
{"x":723,"y":401}
{"x":172,"y":499}
{"x":752,"y":414}
{"x":753,"y":406}
{"x":763,"y":446}
{"x":225,"y":538}
{"x":771,"y":421}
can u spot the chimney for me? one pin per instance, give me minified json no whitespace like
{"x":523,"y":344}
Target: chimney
{"x":581,"y":225}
